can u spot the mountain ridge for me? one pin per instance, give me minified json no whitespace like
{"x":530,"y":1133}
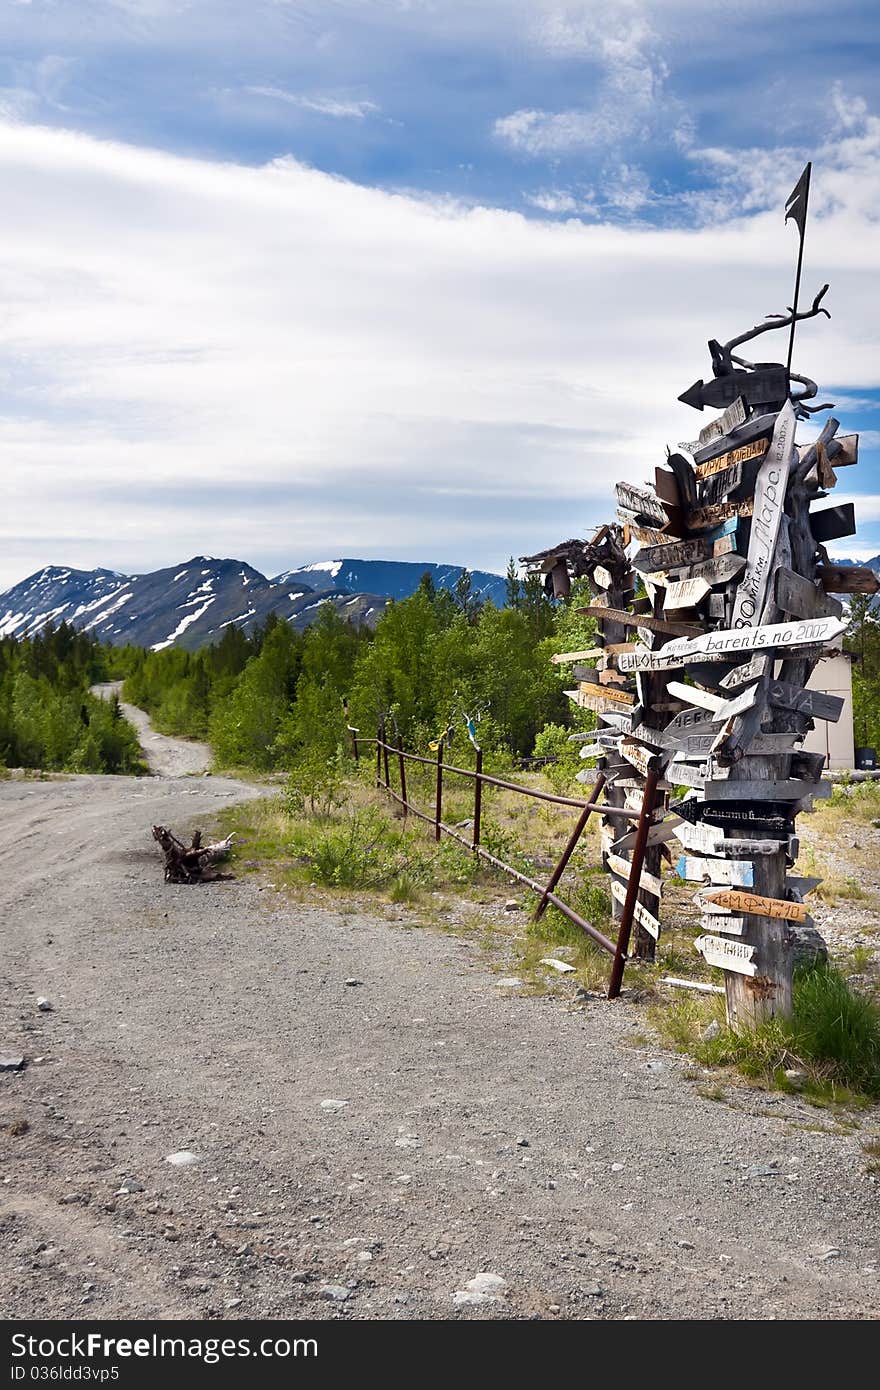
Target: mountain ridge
{"x":191,"y":604}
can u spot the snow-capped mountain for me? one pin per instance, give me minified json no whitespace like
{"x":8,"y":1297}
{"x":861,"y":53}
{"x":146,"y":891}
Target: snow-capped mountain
{"x":190,"y":604}
{"x":391,"y":578}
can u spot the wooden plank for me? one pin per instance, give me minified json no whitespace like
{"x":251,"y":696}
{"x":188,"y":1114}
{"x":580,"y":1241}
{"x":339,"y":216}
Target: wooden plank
{"x":719,"y":569}
{"x":691,"y":721}
{"x":666,"y":487}
{"x":729,"y":955}
{"x":751,"y":670}
{"x":760,"y":427}
{"x":658,"y":834}
{"x":729,"y":641}
{"x":704,"y":838}
{"x":620,"y":615}
{"x":701,"y":745}
{"x":809,"y":766}
{"x":641,"y":914}
{"x":776,"y":817}
{"x":847,"y":579}
{"x":591,"y":654}
{"x":592,"y":750}
{"x":686,"y":594}
{"x":692,"y":695}
{"x":649,"y":883}
{"x":813,"y":703}
{"x":720,"y":485}
{"x":800,"y":598}
{"x":757,"y":905}
{"x":832,"y":523}
{"x":602,"y":577}
{"x":762,"y":385}
{"x":641,"y":501}
{"x":734,"y":416}
{"x":623,"y":722}
{"x":686,"y":480}
{"x":766,"y":789}
{"x":663,"y":557}
{"x":597,"y":703}
{"x":769,"y":502}
{"x":647,"y":535}
{"x":684,"y":775}
{"x":707,"y":518}
{"x":731,"y":872}
{"x":607,"y":692}
{"x":743,"y":453}
{"x":730,"y":925}
{"x":802,"y":886}
{"x":639,"y":757}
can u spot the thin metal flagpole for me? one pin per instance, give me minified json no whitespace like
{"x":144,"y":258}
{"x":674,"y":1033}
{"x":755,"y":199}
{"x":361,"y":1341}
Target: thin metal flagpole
{"x":802,"y":228}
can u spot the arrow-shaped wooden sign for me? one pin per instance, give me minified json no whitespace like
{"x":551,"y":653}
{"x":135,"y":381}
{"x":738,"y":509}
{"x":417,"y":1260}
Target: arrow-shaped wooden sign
{"x":641,"y":914}
{"x":775,"y":816}
{"x":738,"y":454}
{"x":648,"y":882}
{"x":709,"y":518}
{"x":757,"y":904}
{"x":640,"y":757}
{"x":813,"y":703}
{"x":728,"y":925}
{"x":769,"y":503}
{"x":687,"y":594}
{"x":620,"y":615}
{"x":833,"y":522}
{"x":641,"y":501}
{"x":847,"y":579}
{"x":658,"y":834}
{"x":729,"y":955}
{"x":733,"y":872}
{"x":751,"y":670}
{"x":719,"y":569}
{"x":663,"y":557}
{"x":800,"y":598}
{"x":763,"y":386}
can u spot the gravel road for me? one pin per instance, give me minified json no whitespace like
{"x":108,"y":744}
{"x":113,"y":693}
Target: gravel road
{"x":365,"y":1149}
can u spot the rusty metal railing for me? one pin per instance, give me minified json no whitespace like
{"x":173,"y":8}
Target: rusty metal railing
{"x":547,"y":895}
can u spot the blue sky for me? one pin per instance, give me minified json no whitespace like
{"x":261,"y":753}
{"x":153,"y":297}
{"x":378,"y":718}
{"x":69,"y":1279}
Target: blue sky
{"x":406,"y":279}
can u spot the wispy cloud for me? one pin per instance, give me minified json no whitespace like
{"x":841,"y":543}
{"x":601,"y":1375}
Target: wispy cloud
{"x":323,"y":105}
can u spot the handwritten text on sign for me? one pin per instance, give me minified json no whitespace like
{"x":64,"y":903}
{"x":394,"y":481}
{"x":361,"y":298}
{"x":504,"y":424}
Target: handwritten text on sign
{"x":769,"y":502}
{"x":730,"y":955}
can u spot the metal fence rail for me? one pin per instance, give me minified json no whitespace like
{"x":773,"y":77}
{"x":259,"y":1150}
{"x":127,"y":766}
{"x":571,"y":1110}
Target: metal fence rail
{"x":386,"y":752}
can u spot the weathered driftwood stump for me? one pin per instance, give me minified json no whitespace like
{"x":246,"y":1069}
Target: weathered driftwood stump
{"x":189,"y":864}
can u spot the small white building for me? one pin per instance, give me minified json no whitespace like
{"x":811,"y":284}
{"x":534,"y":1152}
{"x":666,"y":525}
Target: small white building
{"x":833,"y":676}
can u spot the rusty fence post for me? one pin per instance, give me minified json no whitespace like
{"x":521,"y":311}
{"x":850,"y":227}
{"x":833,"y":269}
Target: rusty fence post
{"x":570,"y":847}
{"x":438,"y":812}
{"x":632,"y":888}
{"x":385,"y":758}
{"x":478,"y":798}
{"x":402,"y":764}
{"x":378,"y":756}
{"x":355,"y":743}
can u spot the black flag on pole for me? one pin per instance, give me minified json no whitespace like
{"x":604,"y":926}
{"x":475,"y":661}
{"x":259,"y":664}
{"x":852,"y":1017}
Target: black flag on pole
{"x":796,"y":203}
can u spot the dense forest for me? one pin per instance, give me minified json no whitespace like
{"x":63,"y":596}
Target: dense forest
{"x":48,"y":719}
{"x":278,"y":697}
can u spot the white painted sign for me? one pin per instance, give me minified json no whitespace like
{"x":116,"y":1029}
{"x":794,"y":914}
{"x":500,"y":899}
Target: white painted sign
{"x":686,"y":594}
{"x":640,"y":912}
{"x":602,"y":577}
{"x":648,"y":881}
{"x":729,"y":955}
{"x":769,"y":501}
{"x":727,"y":926}
{"x":592,"y":750}
{"x":707,"y":838}
{"x":704,"y":699}
{"x":751,"y":670}
{"x":681,"y":650}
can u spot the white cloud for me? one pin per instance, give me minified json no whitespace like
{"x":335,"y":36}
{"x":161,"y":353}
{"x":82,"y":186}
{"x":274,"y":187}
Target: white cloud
{"x":276,"y":363}
{"x":324,"y":105}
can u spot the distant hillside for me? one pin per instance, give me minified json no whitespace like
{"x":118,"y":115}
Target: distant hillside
{"x":189,"y":605}
{"x":391,"y":578}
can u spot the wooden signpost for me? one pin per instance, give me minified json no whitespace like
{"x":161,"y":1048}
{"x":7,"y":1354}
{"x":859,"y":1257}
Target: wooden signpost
{"x":733,"y":615}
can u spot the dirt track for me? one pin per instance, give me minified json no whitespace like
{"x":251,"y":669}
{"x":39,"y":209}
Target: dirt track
{"x":481,"y":1130}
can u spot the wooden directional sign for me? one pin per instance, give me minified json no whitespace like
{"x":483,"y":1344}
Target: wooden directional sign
{"x":644,"y":918}
{"x":751,"y":670}
{"x":733,"y":872}
{"x":641,"y":501}
{"x":623,"y":722}
{"x":585,"y":699}
{"x":683,"y":775}
{"x":766,"y":789}
{"x":607,"y":692}
{"x":646,"y":535}
{"x":707,"y":839}
{"x":757,"y":904}
{"x":708,"y":518}
{"x":619,"y":615}
{"x":663,"y":557}
{"x":701,"y":745}
{"x":719,"y":569}
{"x":591,"y":654}
{"x":813,"y":703}
{"x":769,"y":503}
{"x":847,"y":579}
{"x":731,"y":419}
{"x":730,"y":458}
{"x":691,"y":694}
{"x":800,"y":598}
{"x":721,"y":485}
{"x":729,"y":926}
{"x":602,"y":577}
{"x":763,"y":386}
{"x":691,"y":721}
{"x":729,"y":641}
{"x":658,"y":834}
{"x":729,"y":955}
{"x":802,"y":886}
{"x":833,"y":522}
{"x":639,"y":757}
{"x":687,"y":594}
{"x":650,"y":883}
{"x":775,"y":816}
